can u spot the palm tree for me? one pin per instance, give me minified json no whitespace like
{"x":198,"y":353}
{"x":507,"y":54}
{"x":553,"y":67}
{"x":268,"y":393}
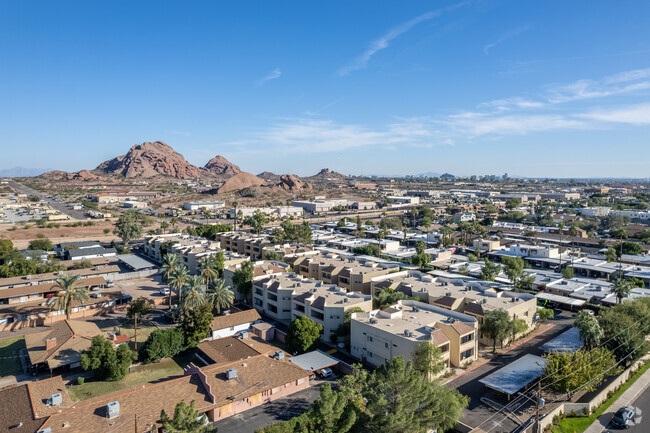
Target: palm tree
{"x":209,"y":271}
{"x":220,"y":295}
{"x":621,"y":288}
{"x":68,"y":294}
{"x":170,"y":263}
{"x":590,"y":330}
{"x":195,"y":294}
{"x":177,"y":280}
{"x":234,"y":204}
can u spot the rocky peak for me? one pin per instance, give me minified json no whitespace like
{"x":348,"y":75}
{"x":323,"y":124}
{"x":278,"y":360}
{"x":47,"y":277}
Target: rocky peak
{"x":220,"y":165}
{"x":292,"y":182}
{"x":151,"y":159}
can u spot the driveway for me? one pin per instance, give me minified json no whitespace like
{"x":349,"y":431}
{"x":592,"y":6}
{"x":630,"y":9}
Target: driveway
{"x":276,"y":411}
{"x":468,"y":384}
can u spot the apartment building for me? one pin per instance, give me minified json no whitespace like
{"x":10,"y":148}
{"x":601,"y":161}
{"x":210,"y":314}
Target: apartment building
{"x":191,"y":249}
{"x":273,"y":212}
{"x":349,"y":272}
{"x":464,"y":295}
{"x":320,"y":205}
{"x":378,"y":336}
{"x":287,"y":296}
{"x":243,"y":243}
{"x":260,"y":268}
{"x":203,"y":205}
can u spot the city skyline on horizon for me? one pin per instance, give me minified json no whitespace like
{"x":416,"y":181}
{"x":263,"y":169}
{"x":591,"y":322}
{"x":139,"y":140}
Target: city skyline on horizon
{"x":460,"y":87}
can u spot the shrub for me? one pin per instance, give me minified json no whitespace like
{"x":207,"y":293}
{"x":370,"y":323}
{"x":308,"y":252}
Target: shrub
{"x":81,"y":380}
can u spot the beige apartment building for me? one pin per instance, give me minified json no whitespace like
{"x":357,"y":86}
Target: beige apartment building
{"x":191,"y":249}
{"x":243,"y":243}
{"x":468,"y":296}
{"x":348,"y":272}
{"x":382,"y":335}
{"x":287,"y":296}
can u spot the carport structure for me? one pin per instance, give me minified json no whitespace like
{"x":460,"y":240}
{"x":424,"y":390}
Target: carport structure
{"x":314,"y":361}
{"x":515,"y":376}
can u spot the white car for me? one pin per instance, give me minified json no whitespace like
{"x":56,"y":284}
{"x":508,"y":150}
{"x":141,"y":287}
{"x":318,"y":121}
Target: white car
{"x":165,"y":291}
{"x":324,"y":372}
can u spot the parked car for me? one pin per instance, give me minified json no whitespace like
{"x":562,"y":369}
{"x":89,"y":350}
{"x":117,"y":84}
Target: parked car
{"x":324,"y":372}
{"x":109,"y":283}
{"x":94,"y":288}
{"x":170,"y":316}
{"x":624,"y":417}
{"x":165,"y":291}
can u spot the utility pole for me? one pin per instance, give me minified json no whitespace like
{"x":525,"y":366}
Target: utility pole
{"x":539,"y":394}
{"x":135,"y":418}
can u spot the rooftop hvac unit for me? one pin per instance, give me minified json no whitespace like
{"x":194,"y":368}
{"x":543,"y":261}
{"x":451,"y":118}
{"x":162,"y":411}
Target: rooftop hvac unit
{"x":55,"y":400}
{"x":113,"y":409}
{"x":243,"y":335}
{"x":231,"y":373}
{"x":452,"y":320}
{"x":447,"y":293}
{"x":28,"y":277}
{"x":416,"y":309}
{"x":279,"y":355}
{"x":373,"y":321}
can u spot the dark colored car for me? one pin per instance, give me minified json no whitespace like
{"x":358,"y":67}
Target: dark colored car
{"x":624,"y":417}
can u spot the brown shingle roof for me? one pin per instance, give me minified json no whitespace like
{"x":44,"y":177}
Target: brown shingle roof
{"x":255,"y":375}
{"x":462,"y":328}
{"x":473,"y":308}
{"x":439,"y":337}
{"x":447,"y":301}
{"x":234,"y":319}
{"x":48,"y":287}
{"x":318,"y":303}
{"x":52,"y":276}
{"x":16,"y":409}
{"x":72,"y":337}
{"x":227,"y":350}
{"x":41,"y":391}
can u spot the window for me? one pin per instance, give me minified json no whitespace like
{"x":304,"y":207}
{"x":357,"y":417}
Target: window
{"x":272,"y":297}
{"x":259,"y":292}
{"x":299,"y":307}
{"x":467,"y":354}
{"x":467,"y":338}
{"x":444,"y":348}
{"x":317,"y":315}
{"x":273,"y":308}
{"x":259,"y":302}
{"x":386,"y":345}
{"x":370,"y":339}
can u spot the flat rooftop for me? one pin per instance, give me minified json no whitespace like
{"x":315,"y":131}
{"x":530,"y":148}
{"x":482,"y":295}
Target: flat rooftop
{"x":516,"y":375}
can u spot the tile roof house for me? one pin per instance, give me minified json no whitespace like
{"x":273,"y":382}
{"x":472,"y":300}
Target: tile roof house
{"x":61,"y":345}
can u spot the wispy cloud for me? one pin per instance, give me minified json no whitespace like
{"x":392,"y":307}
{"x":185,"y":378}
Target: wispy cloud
{"x":505,"y":37}
{"x":511,"y":116}
{"x":384,"y":41}
{"x":274,"y":74}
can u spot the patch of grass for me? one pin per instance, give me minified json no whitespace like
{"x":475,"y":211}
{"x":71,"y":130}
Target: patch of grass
{"x":580,"y":424}
{"x":139,"y":375}
{"x":9,"y":355}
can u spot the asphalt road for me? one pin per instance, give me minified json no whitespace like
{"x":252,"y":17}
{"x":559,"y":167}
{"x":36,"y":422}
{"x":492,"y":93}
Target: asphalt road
{"x":468,"y":384}
{"x":60,"y":206}
{"x":276,"y":411}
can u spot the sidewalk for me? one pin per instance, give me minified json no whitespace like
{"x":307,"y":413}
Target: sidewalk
{"x":626,"y":399}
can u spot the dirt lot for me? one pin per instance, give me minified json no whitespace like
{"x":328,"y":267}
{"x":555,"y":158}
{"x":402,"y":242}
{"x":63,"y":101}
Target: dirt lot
{"x":21,"y":236}
{"x":147,"y":287}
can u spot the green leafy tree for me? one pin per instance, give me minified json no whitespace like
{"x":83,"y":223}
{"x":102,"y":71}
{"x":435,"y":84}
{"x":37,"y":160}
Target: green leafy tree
{"x":68,"y":294}
{"x":186,"y":420}
{"x":303,"y":334}
{"x":496,"y":326}
{"x":401,"y":400}
{"x":107,"y":363}
{"x":6,"y":246}
{"x":41,"y":244}
{"x":517,"y":327}
{"x":256,"y":221}
{"x":243,"y":279}
{"x":273,"y":256}
{"x":137,"y":308}
{"x":368,"y":250}
{"x":625,"y":327}
{"x":344,"y":328}
{"x":128,"y":228}
{"x":628,"y":247}
{"x":514,"y":267}
{"x":427,"y":359}
{"x":513,"y":203}
{"x":386,"y":297}
{"x":195,"y":324}
{"x":163,"y":343}
{"x":489,"y":271}
{"x":568,"y":272}
{"x":220,"y":296}
{"x":421,"y":259}
{"x":570,"y":371}
{"x":590,"y":330}
{"x":611,"y":255}
{"x":545,"y":314}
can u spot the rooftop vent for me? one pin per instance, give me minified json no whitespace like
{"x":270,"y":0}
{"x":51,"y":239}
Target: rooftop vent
{"x":113,"y":409}
{"x":231,"y":373}
{"x":55,"y":400}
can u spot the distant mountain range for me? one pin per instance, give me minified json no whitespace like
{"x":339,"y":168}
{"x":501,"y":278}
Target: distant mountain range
{"x":23,"y":172}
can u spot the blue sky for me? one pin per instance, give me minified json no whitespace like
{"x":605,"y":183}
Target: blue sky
{"x":532,"y":88}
